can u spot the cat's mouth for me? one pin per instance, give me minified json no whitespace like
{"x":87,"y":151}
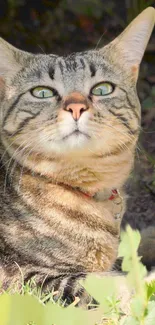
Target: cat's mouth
{"x":76,"y":133}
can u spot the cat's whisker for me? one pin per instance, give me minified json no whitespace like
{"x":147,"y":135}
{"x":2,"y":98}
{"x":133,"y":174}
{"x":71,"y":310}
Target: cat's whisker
{"x":104,"y":122}
{"x":21,"y":152}
{"x":16,"y":163}
{"x":27,"y":156}
{"x":23,"y":165}
{"x":147,"y":132}
{"x":8,"y":163}
{"x":121,"y":132}
{"x":9,"y":146}
{"x":6,"y":150}
{"x":137,"y":154}
{"x":100,"y":39}
{"x":138,"y":148}
{"x":124,"y":146}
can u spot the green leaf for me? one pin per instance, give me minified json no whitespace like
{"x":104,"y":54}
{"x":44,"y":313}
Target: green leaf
{"x":150,"y":289}
{"x":101,"y":289}
{"x":138,"y":307}
{"x":129,"y":321}
{"x":71,"y":315}
{"x":20,"y":310}
{"x":5,"y":302}
{"x":25,"y":309}
{"x":130,"y":241}
{"x":150,"y":318}
{"x":131,"y":262}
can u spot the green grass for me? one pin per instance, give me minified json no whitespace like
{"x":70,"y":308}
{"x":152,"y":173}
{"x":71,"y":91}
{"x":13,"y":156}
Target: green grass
{"x":124,"y":300}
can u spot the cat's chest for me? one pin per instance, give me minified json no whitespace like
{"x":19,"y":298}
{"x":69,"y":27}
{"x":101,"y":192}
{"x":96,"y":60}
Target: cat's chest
{"x":53,"y":237}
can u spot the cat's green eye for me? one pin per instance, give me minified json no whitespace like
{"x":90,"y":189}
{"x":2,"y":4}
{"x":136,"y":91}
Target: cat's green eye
{"x":42,"y":92}
{"x":102,"y":89}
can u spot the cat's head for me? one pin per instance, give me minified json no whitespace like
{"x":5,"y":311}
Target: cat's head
{"x":82,"y":103}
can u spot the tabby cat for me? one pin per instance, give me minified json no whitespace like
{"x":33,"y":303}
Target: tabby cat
{"x":69,"y":127}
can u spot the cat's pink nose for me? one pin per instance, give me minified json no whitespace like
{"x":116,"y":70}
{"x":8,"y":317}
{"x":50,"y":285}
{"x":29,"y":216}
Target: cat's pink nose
{"x":75,"y":103}
{"x":76,"y":109}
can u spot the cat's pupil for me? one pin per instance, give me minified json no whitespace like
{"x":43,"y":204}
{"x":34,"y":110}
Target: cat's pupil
{"x":99,"y":91}
{"x":103,"y":90}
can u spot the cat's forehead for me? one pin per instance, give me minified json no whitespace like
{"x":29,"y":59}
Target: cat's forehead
{"x":88,"y":63}
{"x":88,"y":60}
{"x":73,"y":67}
{"x":77,"y":71}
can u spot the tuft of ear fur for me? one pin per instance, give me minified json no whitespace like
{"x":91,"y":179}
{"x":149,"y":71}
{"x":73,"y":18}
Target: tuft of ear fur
{"x":132,"y":42}
{"x":10,"y":58}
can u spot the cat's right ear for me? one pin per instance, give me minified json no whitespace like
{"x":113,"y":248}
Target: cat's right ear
{"x":10,"y":61}
{"x":130,"y":45}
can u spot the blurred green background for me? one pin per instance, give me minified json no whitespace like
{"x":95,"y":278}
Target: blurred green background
{"x":64,"y":26}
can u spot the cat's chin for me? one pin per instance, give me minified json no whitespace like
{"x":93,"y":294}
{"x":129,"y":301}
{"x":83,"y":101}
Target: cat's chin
{"x":76,"y":134}
{"x":76,"y":140}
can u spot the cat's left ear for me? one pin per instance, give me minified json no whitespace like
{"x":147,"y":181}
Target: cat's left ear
{"x":131,"y":44}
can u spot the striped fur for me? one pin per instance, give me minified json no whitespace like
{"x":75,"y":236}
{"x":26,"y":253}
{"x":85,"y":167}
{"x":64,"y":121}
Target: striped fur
{"x":49,"y":229}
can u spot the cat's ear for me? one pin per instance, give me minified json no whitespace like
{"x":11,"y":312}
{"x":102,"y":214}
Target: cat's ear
{"x":132,"y":42}
{"x":10,"y":59}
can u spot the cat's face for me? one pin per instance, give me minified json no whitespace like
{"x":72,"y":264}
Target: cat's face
{"x":85,"y":102}
{"x":71,"y":103}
